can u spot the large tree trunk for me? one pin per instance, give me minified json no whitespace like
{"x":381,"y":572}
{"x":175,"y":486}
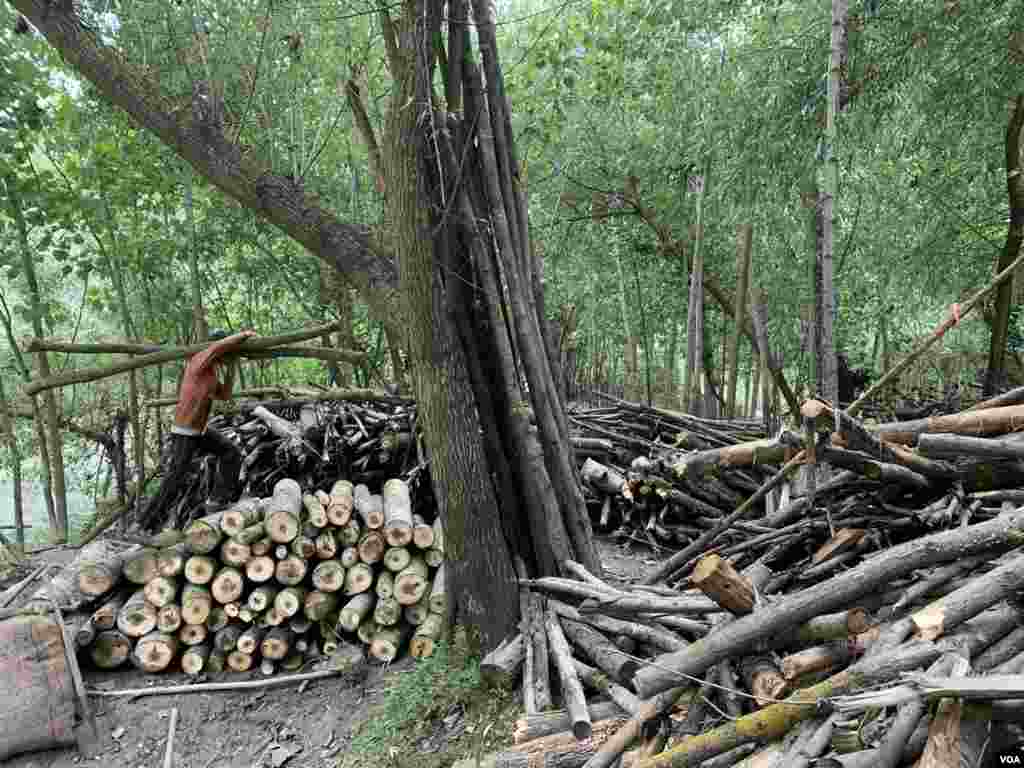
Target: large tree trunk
{"x":1014,"y":237}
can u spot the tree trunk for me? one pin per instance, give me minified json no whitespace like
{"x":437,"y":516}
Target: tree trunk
{"x":695,"y":312}
{"x":744,"y":239}
{"x":1014,"y":237}
{"x":9,"y":436}
{"x":51,"y":445}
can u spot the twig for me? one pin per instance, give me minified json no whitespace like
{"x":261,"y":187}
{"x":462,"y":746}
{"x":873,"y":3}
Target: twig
{"x":169,"y":751}
{"x":11,"y":593}
{"x":88,"y":734}
{"x":273,"y":682}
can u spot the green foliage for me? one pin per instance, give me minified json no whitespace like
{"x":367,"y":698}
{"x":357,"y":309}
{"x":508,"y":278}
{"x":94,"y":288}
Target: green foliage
{"x":416,"y":701}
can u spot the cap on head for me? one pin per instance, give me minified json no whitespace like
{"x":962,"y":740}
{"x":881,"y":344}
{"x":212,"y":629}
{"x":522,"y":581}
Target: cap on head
{"x":217,"y":334}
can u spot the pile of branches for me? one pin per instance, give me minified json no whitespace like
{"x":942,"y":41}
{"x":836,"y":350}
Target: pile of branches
{"x":859,"y":617}
{"x":313,"y":441}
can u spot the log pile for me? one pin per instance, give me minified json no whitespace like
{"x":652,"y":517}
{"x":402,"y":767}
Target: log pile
{"x":866,"y":615}
{"x":268,"y":583}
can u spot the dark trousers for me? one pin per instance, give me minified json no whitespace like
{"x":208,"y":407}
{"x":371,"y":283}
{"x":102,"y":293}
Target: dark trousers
{"x":183,"y":448}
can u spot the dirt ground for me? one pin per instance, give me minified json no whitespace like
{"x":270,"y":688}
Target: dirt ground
{"x":274,"y":728}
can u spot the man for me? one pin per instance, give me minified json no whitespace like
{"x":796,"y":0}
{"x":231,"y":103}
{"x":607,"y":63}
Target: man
{"x":199,"y":388}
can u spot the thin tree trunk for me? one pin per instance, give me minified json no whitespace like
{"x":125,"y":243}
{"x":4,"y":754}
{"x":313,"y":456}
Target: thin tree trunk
{"x":1014,"y":237}
{"x":51,"y":444}
{"x":695,"y":313}
{"x":630,"y":358}
{"x":9,"y":436}
{"x":744,"y":239}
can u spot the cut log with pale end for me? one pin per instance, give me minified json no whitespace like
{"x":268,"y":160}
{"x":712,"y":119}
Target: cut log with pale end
{"x":388,"y":641}
{"x":82,"y":630}
{"x":819,"y":658}
{"x":110,"y":649}
{"x":277,"y":642}
{"x":161,"y":591}
{"x":262,"y":546}
{"x":260,"y":569}
{"x":235,"y":553}
{"x":290,"y":571}
{"x":193,"y":660}
{"x":155,"y":651}
{"x":231,"y":608}
{"x":318,"y":605}
{"x":226,"y":639}
{"x":349,"y":556}
{"x":844,"y":540}
{"x":339,"y":512}
{"x":200,"y":569}
{"x":763,"y":679}
{"x":328,"y":576}
{"x":193,"y":634}
{"x":397,"y":505}
{"x":438,"y":593}
{"x":261,"y":597}
{"x":384,"y":586}
{"x":979,"y":593}
{"x":426,"y":636}
{"x":105,"y":617}
{"x":412,"y":582}
{"x":315,"y":512}
{"x":367,"y":630}
{"x":371,"y":547}
{"x":387,"y":612}
{"x":103,"y":571}
{"x":170,"y":561}
{"x":168,"y":619}
{"x":288,"y":602}
{"x":250,"y":639}
{"x":326,"y":545}
{"x":717,"y":579}
{"x":572,"y":691}
{"x":283,"y":519}
{"x":358,"y":578}
{"x":397,"y":559}
{"x":196,"y":602}
{"x":241,"y":515}
{"x":63,"y":587}
{"x":136,"y":617}
{"x":530,"y":727}
{"x":239,"y":661}
{"x":355,"y":611}
{"x":422,"y":533}
{"x":273,"y":617}
{"x":203,"y":536}
{"x":500,"y":668}
{"x":139,"y":566}
{"x":227,"y":585}
{"x":563,"y":750}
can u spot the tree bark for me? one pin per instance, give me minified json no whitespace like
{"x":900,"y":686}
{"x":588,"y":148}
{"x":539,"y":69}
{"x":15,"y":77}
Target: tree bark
{"x":1014,"y":238}
{"x":744,"y":239}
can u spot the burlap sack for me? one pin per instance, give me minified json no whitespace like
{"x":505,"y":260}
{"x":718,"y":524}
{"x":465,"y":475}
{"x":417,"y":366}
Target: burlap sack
{"x":37,"y":695}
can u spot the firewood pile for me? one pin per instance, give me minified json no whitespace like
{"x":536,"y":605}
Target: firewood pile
{"x":867,"y":615}
{"x":269,"y":583}
{"x":313,"y":442}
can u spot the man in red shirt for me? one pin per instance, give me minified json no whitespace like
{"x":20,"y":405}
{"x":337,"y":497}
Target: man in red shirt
{"x":199,"y":388}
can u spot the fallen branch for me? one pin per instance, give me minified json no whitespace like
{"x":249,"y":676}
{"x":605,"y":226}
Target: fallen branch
{"x":252,"y":685}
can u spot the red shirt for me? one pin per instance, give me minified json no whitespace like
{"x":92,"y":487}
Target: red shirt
{"x":199,"y":384}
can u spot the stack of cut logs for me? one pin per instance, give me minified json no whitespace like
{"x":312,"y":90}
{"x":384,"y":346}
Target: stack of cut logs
{"x":269,"y":583}
{"x":869,"y":617}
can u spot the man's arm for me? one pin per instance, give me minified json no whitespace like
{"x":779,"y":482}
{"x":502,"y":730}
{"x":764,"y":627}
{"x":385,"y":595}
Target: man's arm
{"x":224,"y":347}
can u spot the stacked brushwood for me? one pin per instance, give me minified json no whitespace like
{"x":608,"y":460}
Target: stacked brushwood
{"x":268,"y":583}
{"x":367,"y":438}
{"x":871,"y":616}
